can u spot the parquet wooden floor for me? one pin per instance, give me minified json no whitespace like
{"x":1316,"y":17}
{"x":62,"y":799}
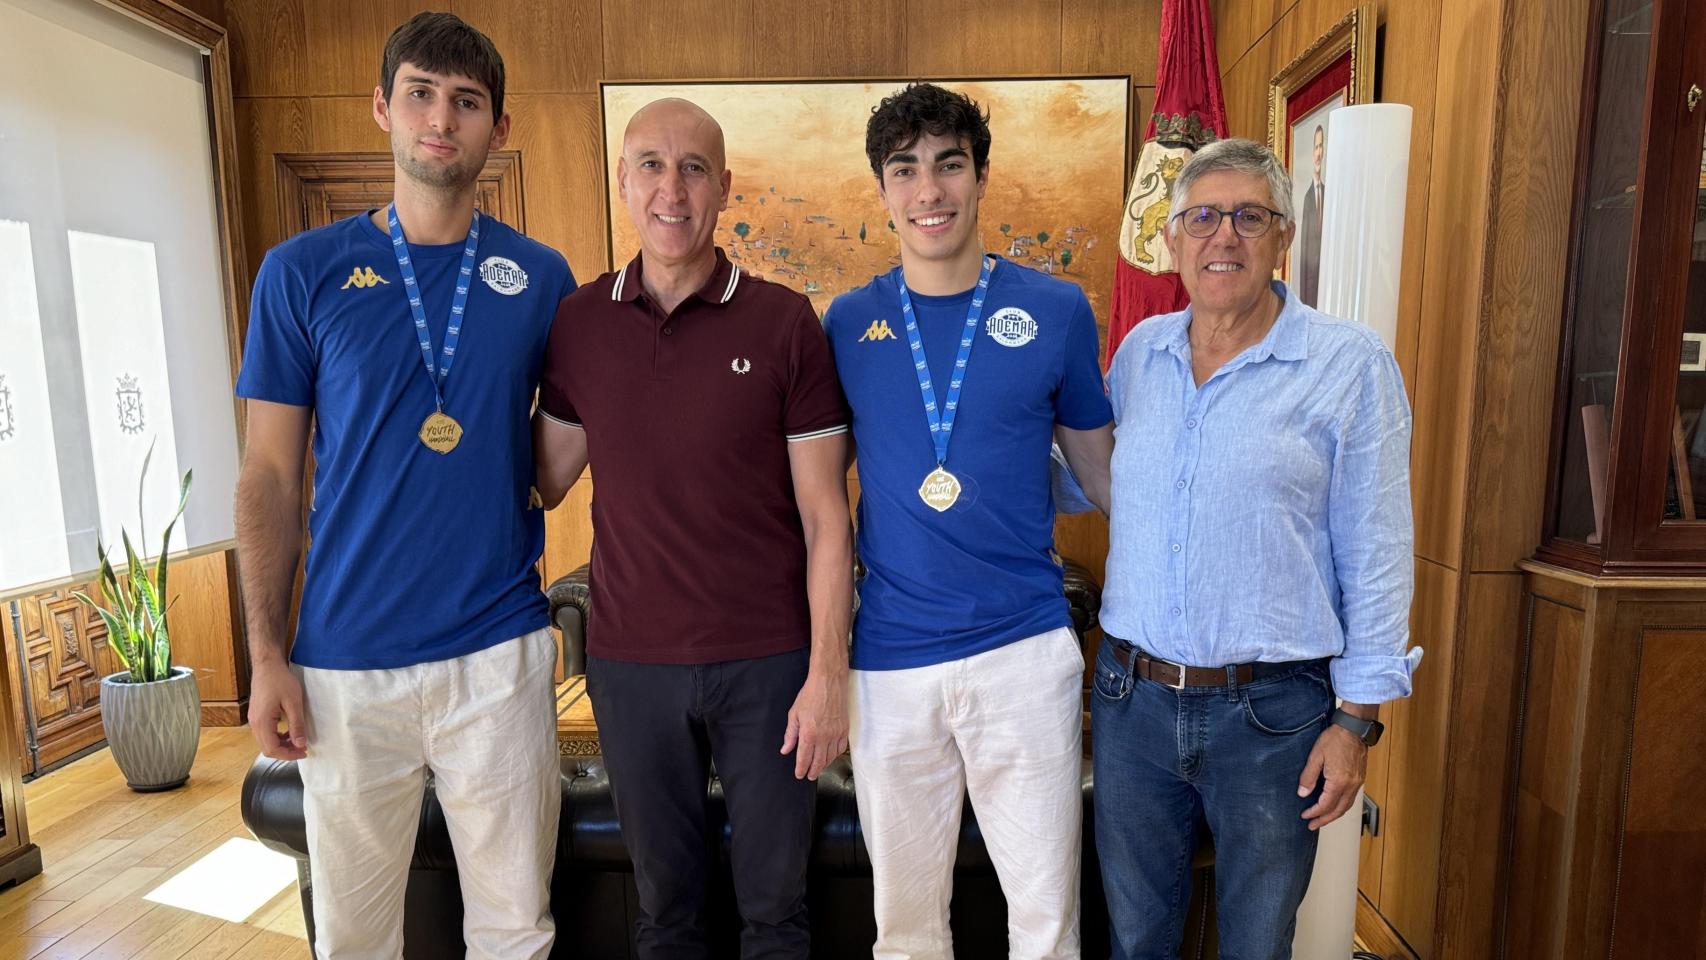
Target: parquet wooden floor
{"x":104,"y":847}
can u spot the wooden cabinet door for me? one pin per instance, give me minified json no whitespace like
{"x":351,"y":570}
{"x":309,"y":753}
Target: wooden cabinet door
{"x":61,"y":647}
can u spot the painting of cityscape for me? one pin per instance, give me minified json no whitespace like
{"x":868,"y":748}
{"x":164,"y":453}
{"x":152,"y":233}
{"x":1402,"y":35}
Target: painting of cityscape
{"x":805,"y":211}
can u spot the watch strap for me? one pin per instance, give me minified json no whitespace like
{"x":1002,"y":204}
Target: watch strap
{"x":1368,"y":731}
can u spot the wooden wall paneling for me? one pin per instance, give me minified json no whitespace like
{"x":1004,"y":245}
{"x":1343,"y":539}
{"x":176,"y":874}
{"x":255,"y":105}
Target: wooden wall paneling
{"x":1418,"y":755}
{"x":829,"y":38}
{"x":1245,"y":87}
{"x":1239,"y":24}
{"x":678,"y":39}
{"x":989,"y":37}
{"x":267,"y":42}
{"x":1111,"y":36}
{"x":548,"y":46}
{"x":1533,"y":176}
{"x":568,"y":531}
{"x":1480,"y":778}
{"x":1661,"y":890}
{"x":1408,"y":74}
{"x":1456,"y":241}
{"x":207,"y":634}
{"x":1084,"y":537}
{"x":344,"y":125}
{"x":266,"y":127}
{"x":344,"y":42}
{"x":562,"y":159}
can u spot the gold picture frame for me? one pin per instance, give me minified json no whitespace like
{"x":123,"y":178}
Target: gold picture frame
{"x":1353,"y":34}
{"x":1337,"y":70}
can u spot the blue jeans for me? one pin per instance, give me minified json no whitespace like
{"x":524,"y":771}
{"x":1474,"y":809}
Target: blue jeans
{"x":1232,"y":754}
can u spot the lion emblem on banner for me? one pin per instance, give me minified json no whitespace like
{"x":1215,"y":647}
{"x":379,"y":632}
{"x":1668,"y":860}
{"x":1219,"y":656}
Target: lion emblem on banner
{"x":1141,"y":243}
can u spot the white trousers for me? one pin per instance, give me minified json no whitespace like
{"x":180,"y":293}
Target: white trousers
{"x":484,"y":724}
{"x":1004,"y":726}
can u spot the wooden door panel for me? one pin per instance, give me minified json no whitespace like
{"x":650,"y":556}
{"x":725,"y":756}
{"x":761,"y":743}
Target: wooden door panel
{"x":315,"y":189}
{"x":65,"y":652}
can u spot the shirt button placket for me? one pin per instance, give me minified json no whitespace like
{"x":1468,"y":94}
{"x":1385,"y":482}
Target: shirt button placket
{"x":1179,"y":526}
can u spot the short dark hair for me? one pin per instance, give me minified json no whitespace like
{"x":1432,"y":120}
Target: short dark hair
{"x":924,"y":109}
{"x":444,"y":43}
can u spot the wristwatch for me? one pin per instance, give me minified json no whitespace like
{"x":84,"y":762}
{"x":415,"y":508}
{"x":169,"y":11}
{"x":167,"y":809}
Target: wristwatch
{"x":1368,"y":731}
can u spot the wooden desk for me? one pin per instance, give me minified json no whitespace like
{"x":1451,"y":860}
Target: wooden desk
{"x":577,"y":730}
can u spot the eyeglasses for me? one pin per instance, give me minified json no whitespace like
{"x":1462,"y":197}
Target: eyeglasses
{"x":1250,"y":221}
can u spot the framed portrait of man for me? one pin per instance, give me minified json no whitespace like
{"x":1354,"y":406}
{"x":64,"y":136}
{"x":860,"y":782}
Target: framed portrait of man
{"x":1337,"y":70}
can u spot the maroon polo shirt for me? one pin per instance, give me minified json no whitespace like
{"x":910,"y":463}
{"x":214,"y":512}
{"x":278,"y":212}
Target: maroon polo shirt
{"x":698,"y":554}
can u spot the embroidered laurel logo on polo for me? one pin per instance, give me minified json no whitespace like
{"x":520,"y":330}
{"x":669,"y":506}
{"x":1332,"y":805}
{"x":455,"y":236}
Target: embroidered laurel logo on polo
{"x":503,"y":275}
{"x":1011,"y":327}
{"x":740,"y":365}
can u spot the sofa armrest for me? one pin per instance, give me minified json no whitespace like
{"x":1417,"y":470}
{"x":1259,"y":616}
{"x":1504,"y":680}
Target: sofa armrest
{"x":1083,"y":595}
{"x":271,"y":806}
{"x":570,"y":600}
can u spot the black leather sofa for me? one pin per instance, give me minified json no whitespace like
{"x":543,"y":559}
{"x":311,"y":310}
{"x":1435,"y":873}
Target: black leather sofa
{"x":593,"y":898}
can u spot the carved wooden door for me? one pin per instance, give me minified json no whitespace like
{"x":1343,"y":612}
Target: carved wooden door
{"x":58,"y":649}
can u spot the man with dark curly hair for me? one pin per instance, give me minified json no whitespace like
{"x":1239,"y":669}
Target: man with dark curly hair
{"x":966,"y":673}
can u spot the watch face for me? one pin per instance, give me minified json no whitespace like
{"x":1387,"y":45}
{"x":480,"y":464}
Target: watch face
{"x":1375,"y":729}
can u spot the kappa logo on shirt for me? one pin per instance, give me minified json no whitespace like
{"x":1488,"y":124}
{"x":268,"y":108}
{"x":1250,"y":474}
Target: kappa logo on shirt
{"x":878,"y":330}
{"x":363,"y":277}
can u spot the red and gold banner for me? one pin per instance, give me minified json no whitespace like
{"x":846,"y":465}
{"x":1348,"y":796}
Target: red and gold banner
{"x":1189,"y":113}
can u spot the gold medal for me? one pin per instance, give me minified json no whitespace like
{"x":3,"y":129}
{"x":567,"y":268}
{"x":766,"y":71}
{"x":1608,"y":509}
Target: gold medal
{"x":440,"y":432}
{"x":940,"y":490}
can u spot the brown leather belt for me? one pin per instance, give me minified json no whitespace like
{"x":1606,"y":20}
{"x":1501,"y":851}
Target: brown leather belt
{"x":1179,"y":676}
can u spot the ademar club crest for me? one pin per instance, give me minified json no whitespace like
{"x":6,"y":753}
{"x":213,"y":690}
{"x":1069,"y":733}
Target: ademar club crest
{"x":130,"y":418}
{"x":503,"y":275}
{"x":1011,"y":327}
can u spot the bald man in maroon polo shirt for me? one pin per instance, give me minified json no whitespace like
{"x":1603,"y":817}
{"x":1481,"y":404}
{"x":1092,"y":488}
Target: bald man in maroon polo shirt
{"x":722,"y":560}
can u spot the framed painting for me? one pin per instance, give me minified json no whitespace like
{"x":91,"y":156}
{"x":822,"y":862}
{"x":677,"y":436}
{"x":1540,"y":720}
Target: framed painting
{"x":803,"y":207}
{"x":1336,"y":70}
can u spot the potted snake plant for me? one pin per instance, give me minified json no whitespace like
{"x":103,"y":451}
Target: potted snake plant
{"x":151,"y":709}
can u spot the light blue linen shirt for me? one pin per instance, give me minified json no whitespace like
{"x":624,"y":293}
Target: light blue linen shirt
{"x":1264,"y":515}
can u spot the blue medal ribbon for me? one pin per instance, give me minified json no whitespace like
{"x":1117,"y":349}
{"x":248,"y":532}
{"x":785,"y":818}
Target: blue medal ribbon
{"x":458,"y":303}
{"x":942,"y":421}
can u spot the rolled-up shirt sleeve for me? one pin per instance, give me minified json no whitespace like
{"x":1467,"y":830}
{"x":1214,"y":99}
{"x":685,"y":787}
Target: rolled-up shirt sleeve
{"x":1373,"y":537}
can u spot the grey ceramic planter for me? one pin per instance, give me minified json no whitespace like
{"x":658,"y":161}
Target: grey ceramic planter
{"x":153,"y":728}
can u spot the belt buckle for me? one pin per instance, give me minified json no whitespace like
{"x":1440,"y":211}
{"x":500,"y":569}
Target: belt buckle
{"x":1180,"y":686}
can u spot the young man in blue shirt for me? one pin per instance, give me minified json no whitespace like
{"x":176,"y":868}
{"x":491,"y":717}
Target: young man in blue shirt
{"x":961,"y":370}
{"x":413,"y":337}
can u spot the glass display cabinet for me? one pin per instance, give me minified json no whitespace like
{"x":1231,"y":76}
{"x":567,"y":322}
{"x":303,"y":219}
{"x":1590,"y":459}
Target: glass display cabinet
{"x":1628,"y":488}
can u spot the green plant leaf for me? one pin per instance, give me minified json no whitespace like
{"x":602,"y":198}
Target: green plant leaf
{"x":135,"y":612}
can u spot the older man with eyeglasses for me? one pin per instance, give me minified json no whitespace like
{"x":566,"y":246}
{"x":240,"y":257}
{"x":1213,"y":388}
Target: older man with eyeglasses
{"x":1259,"y":568}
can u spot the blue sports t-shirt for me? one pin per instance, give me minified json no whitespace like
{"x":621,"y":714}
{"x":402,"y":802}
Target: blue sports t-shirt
{"x":945,"y":586}
{"x":414,"y":556}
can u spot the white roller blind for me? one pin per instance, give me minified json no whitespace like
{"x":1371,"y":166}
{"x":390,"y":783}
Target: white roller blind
{"x":112,"y":323}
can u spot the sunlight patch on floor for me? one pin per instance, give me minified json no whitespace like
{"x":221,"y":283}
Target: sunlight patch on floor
{"x":231,"y":883}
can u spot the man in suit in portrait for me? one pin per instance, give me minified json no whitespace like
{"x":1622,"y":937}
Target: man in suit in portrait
{"x":1309,"y":244}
